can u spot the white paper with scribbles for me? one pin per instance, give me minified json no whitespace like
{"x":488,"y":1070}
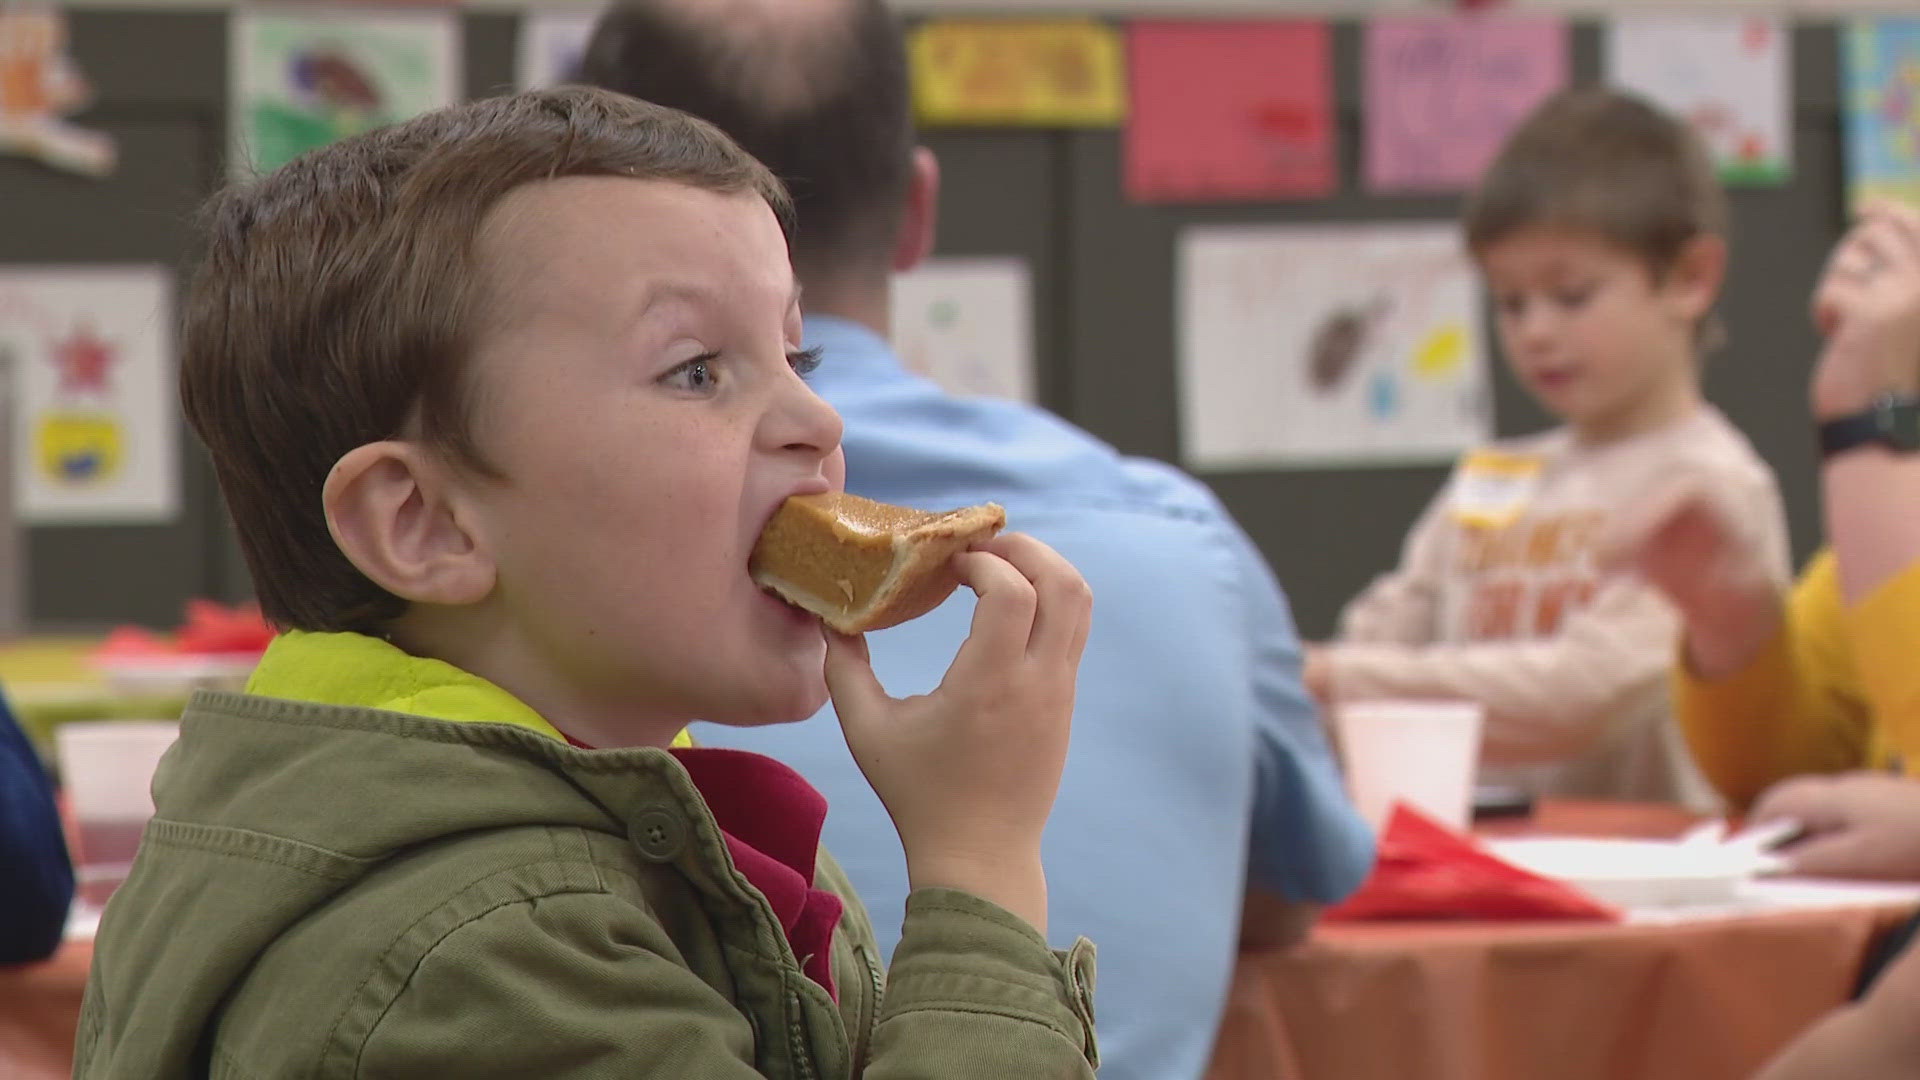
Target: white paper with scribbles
{"x":1329,"y":345}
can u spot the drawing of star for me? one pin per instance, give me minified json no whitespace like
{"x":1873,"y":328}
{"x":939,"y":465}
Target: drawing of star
{"x":83,"y":359}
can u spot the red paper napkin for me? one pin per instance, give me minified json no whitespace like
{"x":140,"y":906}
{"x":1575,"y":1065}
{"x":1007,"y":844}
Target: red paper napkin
{"x":1427,"y":871}
{"x":211,"y":629}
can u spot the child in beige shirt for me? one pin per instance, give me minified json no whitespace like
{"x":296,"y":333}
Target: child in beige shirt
{"x":1600,"y":233}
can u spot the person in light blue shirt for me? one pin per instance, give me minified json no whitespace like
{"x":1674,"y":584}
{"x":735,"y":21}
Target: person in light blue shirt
{"x":1200,"y":807}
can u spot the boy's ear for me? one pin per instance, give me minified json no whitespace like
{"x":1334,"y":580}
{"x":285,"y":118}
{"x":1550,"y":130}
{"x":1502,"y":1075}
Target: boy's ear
{"x":389,"y":510}
{"x":1694,"y":279}
{"x":919,"y":217}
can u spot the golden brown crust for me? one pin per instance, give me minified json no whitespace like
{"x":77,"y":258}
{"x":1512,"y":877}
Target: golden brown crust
{"x":862,"y":565}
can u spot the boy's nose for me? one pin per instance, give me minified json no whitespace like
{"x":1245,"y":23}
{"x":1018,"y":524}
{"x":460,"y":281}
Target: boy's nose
{"x":805,"y":421}
{"x":1535,"y":326}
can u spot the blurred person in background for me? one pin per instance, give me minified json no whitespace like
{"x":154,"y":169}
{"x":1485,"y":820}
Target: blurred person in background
{"x":1600,"y":230}
{"x":36,"y":877}
{"x":1806,"y":704}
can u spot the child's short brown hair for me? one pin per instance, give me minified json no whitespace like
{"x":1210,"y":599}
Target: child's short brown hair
{"x":1605,"y":163}
{"x":337,"y":299}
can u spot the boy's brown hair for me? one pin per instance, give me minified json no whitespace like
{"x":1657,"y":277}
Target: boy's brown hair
{"x":1604,"y":163}
{"x":338,"y":298}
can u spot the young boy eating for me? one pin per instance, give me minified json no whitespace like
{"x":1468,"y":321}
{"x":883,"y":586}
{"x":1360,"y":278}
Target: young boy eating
{"x":1600,"y":232}
{"x":500,"y":399}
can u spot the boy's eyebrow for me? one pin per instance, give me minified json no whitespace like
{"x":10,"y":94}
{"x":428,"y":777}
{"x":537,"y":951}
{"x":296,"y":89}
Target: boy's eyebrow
{"x":656,"y":294}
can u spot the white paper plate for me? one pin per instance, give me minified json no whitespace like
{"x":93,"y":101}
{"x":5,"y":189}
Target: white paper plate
{"x":175,"y":674}
{"x":1638,"y":873}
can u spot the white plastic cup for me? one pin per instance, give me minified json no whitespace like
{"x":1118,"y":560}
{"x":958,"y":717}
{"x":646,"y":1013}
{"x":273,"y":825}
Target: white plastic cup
{"x":106,"y":770}
{"x":1424,"y":753}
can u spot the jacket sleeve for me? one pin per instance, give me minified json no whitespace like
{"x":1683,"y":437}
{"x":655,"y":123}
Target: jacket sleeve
{"x":1546,"y":699}
{"x":974,"y":991}
{"x":33,"y":852}
{"x":1402,"y":606}
{"x":580,"y":985}
{"x":1800,"y":706}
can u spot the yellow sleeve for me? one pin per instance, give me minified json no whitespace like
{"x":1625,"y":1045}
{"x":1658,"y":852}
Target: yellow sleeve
{"x":1884,"y":632}
{"x":1797,"y":708}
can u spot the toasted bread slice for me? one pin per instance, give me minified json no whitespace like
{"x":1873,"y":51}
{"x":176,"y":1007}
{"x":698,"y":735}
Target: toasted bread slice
{"x":862,"y":565}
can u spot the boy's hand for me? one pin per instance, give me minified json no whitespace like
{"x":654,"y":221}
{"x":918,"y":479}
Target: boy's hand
{"x":1857,"y":825}
{"x":1868,"y":306}
{"x":969,"y":772}
{"x":1685,"y":542}
{"x":1316,"y":673}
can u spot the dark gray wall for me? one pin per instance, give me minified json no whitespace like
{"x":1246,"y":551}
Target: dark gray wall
{"x":1102,"y":268}
{"x":160,"y":80}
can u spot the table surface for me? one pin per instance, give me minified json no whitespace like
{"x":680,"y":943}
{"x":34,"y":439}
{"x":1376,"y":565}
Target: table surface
{"x":1428,"y":1000}
{"x":49,"y":681}
{"x":39,"y":1008}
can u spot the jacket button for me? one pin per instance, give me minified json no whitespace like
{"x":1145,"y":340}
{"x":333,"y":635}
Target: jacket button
{"x":659,"y":833}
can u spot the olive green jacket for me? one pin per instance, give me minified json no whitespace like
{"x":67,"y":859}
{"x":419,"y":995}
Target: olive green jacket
{"x":331,"y":891}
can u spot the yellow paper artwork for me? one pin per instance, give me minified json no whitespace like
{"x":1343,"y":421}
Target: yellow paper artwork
{"x":1052,"y":73}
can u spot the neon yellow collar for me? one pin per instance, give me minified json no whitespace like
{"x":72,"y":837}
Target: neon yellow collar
{"x":359,"y":671}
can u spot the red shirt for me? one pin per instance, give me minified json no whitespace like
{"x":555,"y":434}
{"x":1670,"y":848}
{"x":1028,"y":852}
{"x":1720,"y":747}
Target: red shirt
{"x":771,"y":819}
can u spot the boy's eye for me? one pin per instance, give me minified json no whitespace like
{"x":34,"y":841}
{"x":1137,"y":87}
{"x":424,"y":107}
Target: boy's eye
{"x":1510,"y":306}
{"x":699,"y":374}
{"x":1574,"y":297}
{"x":805,"y":361}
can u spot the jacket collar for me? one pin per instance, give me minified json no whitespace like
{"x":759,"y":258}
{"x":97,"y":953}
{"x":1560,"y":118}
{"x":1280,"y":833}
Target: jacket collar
{"x":359,"y":671}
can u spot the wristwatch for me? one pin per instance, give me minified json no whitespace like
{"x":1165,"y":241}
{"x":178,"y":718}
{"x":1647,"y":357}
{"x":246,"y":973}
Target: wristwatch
{"x":1893,"y":420}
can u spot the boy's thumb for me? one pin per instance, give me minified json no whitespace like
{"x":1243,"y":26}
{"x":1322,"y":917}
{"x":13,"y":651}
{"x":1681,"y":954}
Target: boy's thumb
{"x":856,"y":691}
{"x":1627,"y":537}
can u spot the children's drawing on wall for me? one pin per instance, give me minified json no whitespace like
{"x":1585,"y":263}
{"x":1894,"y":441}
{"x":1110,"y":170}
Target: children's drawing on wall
{"x":1230,"y":110}
{"x":87,"y":357}
{"x":1304,"y":346}
{"x":967,"y":324}
{"x":1342,"y":338}
{"x":551,"y":46}
{"x":1881,"y":108}
{"x":39,"y":86}
{"x":300,"y":81}
{"x":1726,"y":74}
{"x":1043,"y":72}
{"x":1443,"y":92}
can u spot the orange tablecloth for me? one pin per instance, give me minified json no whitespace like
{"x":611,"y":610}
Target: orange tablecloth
{"x":1708,"y":1000}
{"x":39,"y":1006}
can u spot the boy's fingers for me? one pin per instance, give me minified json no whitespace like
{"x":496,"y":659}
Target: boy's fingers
{"x":1871,"y":249}
{"x":1900,"y":223}
{"x":1806,"y":799}
{"x":1843,"y":853}
{"x":1828,"y":306}
{"x":1003,"y":619}
{"x":1063,"y":603}
{"x":856,"y":691}
{"x":1626,"y":537}
{"x":1839,"y":284}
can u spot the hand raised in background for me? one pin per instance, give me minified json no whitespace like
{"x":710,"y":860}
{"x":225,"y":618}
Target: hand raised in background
{"x":1685,"y":540}
{"x":1867,"y":305}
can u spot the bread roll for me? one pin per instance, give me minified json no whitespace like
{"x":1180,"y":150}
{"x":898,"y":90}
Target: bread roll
{"x":862,"y":565}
